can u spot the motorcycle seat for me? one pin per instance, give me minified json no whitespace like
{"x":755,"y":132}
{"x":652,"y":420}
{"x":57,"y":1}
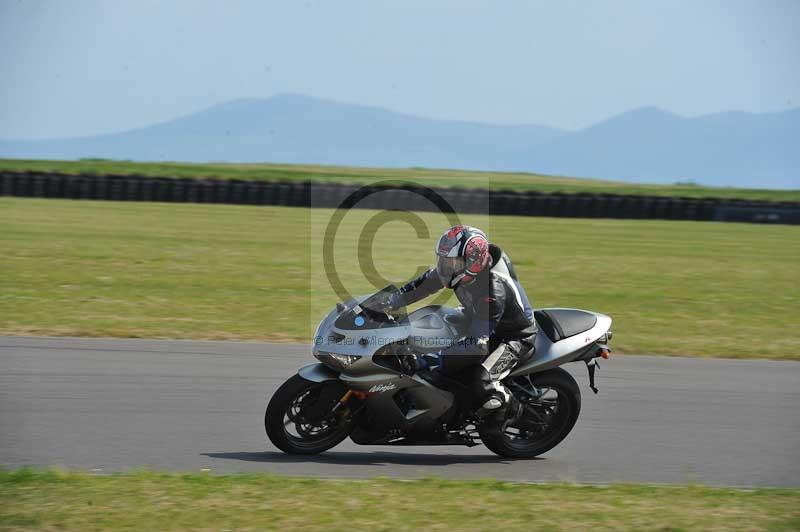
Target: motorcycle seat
{"x":559,"y":324}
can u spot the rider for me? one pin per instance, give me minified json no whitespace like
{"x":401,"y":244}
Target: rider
{"x":502,"y":328}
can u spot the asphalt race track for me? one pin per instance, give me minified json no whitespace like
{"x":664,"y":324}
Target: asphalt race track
{"x":115,"y":405}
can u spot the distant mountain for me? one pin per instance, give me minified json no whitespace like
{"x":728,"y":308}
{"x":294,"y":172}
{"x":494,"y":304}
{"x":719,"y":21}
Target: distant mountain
{"x":644,"y":145}
{"x":650,"y":145}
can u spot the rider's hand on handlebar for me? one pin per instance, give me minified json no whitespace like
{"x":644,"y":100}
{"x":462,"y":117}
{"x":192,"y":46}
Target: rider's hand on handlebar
{"x":382,"y":302}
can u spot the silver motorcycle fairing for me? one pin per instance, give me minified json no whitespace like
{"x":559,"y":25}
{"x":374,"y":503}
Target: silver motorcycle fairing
{"x":318,"y":373}
{"x":429,"y":402}
{"x":550,"y":354}
{"x":425,"y":330}
{"x":432,"y":328}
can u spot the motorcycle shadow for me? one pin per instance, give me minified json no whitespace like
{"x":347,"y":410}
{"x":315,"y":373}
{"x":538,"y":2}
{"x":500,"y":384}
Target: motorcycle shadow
{"x":367,"y":458}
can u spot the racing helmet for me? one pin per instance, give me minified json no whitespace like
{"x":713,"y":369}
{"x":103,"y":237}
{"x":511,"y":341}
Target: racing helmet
{"x":462,"y":252}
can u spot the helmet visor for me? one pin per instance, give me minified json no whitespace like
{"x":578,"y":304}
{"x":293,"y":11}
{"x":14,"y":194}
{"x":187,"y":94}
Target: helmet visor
{"x":449,"y":267}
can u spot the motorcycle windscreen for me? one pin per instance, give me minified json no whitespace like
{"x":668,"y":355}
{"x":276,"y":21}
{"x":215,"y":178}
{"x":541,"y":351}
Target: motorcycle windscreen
{"x":371,"y":313}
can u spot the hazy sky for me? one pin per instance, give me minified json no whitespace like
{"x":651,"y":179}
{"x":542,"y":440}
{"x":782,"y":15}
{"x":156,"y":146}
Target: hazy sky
{"x":82,"y":67}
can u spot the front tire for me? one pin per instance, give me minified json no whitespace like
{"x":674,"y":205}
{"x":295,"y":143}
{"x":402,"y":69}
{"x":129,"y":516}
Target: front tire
{"x":546,"y":420}
{"x":300,"y":418}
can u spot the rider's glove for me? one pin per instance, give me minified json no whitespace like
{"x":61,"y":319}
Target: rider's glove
{"x":385,"y":301}
{"x":394,"y":301}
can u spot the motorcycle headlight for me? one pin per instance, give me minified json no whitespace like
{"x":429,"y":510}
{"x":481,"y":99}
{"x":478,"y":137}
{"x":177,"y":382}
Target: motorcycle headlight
{"x":338,"y":362}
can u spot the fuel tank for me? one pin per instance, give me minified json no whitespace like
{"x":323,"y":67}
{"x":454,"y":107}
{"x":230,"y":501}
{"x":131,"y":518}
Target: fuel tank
{"x":435,"y":327}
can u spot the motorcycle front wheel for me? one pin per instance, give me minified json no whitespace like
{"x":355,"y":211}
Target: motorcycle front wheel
{"x":551,"y":402}
{"x":300,"y":417}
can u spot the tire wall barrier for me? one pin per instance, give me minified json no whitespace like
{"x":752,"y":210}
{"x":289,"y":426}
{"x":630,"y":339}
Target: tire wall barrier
{"x":305,"y":194}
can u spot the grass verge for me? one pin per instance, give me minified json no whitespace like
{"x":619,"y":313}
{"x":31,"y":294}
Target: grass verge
{"x":358,"y":175}
{"x":153,"y":501}
{"x":83,"y":268}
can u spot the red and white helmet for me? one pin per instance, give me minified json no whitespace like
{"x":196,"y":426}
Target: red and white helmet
{"x":462,"y":253}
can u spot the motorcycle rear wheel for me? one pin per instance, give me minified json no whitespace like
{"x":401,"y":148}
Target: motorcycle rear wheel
{"x":299,"y":417}
{"x":545,"y":421}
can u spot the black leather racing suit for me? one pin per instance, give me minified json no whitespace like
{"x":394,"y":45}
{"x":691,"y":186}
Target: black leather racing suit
{"x":501,"y":331}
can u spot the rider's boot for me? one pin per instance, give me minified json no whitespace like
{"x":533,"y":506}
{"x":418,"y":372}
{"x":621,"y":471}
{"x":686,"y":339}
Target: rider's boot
{"x":501,"y":404}
{"x":491,"y":396}
{"x":498,"y":396}
{"x":494,"y":368}
{"x":494,"y":420}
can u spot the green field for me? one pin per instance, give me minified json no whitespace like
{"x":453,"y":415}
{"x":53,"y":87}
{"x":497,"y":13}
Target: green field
{"x":154,"y":270}
{"x":150,"y":501}
{"x":425,"y":176}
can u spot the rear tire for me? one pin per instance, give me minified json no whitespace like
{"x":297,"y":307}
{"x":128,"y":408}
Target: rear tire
{"x":303,"y":404}
{"x":511,"y":441}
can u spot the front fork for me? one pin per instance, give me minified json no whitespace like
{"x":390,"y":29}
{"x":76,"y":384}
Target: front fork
{"x":347,"y":397}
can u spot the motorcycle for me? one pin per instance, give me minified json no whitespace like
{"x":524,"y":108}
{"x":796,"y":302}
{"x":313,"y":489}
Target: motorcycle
{"x":366,"y":386}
